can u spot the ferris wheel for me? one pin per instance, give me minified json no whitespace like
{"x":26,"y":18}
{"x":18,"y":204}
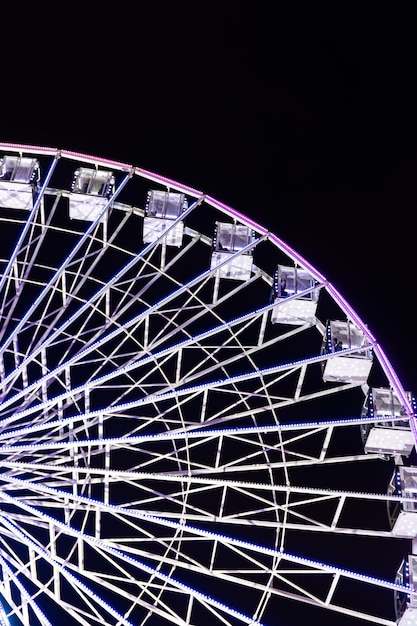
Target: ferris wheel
{"x":196,"y":428}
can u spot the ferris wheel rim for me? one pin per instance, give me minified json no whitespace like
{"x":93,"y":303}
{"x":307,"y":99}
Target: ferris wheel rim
{"x":189,"y":390}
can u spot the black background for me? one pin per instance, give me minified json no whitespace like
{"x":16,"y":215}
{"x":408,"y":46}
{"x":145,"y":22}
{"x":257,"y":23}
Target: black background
{"x":300,"y":116}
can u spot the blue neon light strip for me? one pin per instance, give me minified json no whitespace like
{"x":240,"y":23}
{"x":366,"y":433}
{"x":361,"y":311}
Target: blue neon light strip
{"x":151,"y":399}
{"x":170,"y":436}
{"x":212,"y":536}
{"x":117,"y":553}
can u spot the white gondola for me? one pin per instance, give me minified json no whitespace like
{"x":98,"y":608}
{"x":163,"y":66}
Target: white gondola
{"x":91,"y":189}
{"x":162,"y":209}
{"x":391,"y":433}
{"x":353,"y":366}
{"x":296,"y":296}
{"x":18,"y":177}
{"x":228,"y":239}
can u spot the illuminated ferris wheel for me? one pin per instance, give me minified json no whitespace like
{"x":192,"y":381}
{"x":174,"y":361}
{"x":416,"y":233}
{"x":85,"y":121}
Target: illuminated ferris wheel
{"x":196,"y":428}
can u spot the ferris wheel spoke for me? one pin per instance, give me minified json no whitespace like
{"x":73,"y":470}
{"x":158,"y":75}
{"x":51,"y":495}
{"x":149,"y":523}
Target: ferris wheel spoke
{"x":91,"y":600}
{"x":224,"y":386}
{"x":136,"y":361}
{"x":261,"y":496}
{"x":86,"y":307}
{"x":11,"y":584}
{"x":259,"y":556}
{"x":107,"y":552}
{"x":27,"y":226}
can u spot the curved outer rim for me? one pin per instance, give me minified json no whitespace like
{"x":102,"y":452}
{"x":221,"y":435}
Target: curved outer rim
{"x":298,"y":258}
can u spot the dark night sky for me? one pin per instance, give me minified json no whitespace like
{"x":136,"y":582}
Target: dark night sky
{"x":301,"y":117}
